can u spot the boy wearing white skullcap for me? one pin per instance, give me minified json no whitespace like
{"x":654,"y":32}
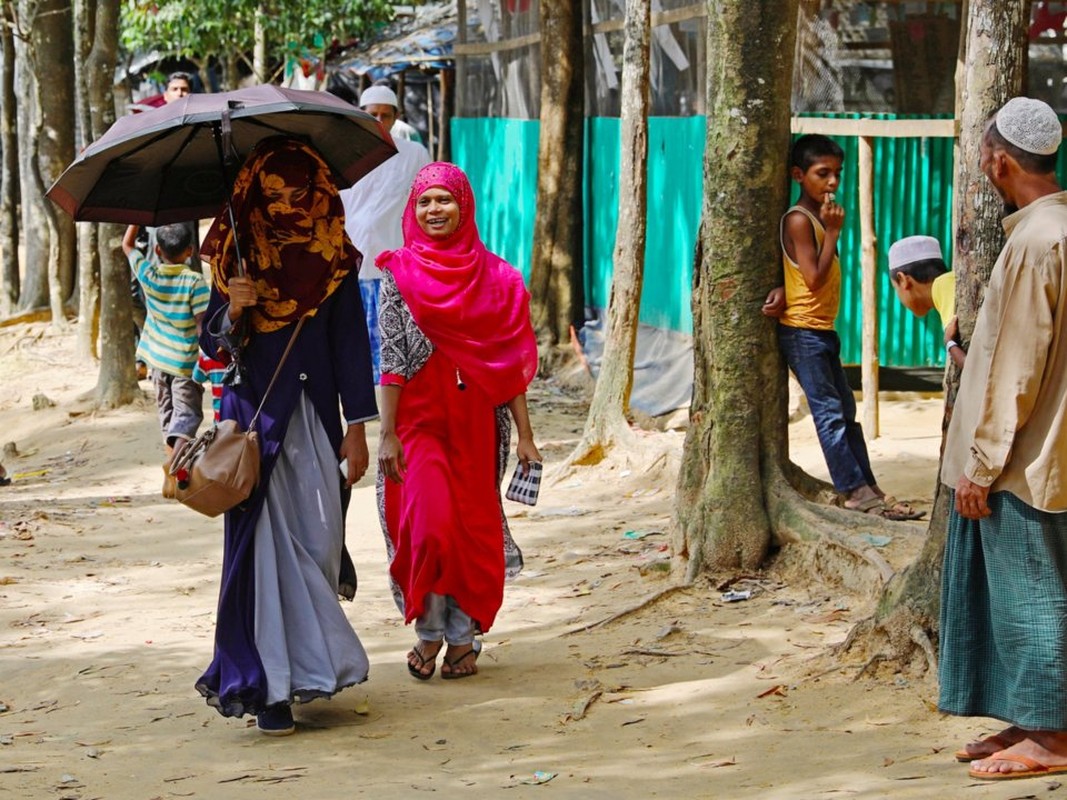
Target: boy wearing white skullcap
{"x":1002,"y":634}
{"x":922,"y":282}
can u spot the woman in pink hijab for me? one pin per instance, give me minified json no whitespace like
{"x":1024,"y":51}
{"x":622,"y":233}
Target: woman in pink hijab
{"x":458,"y":353}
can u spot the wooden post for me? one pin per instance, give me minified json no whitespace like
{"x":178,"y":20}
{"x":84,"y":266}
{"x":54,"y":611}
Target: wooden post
{"x":443,"y":143}
{"x":460,"y":59}
{"x":869,"y":291}
{"x":431,"y":125}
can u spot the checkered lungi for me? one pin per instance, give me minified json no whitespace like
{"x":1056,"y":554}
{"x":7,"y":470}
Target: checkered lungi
{"x":1004,"y":616}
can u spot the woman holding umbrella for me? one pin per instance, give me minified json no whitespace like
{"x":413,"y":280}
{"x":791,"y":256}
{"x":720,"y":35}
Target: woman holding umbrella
{"x":281,"y":636}
{"x":458,"y":352}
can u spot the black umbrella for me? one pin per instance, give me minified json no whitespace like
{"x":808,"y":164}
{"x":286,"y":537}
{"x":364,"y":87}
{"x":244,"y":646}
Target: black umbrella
{"x":166,"y":165}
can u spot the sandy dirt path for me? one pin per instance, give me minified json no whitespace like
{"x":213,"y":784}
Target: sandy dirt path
{"x":107,"y":597}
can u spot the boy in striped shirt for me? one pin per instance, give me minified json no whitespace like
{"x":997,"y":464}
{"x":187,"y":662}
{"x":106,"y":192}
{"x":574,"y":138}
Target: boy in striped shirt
{"x":175,"y":299}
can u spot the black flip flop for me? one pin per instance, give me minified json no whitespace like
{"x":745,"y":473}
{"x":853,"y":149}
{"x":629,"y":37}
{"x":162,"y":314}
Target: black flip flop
{"x":416,"y":671}
{"x":476,"y":649}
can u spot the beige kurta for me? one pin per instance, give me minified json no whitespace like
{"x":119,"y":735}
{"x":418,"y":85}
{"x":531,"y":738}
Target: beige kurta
{"x":1009,"y":425}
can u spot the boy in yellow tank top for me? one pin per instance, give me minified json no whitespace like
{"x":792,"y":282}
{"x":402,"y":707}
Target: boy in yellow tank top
{"x":806,"y":335}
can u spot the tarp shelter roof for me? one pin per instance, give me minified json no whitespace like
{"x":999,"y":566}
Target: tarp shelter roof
{"x":422,"y":41}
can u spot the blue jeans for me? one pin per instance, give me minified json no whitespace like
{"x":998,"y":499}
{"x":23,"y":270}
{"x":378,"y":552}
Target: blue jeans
{"x":815,"y":358}
{"x":369,"y":293}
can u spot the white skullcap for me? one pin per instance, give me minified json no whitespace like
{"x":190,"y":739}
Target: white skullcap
{"x":913,"y":248}
{"x":378,"y":96}
{"x":1030,"y":125}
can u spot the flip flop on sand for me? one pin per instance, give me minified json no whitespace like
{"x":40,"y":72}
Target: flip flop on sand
{"x":996,"y":742}
{"x":416,"y":670}
{"x":452,"y":675}
{"x":888,"y":508}
{"x":1034,"y":769}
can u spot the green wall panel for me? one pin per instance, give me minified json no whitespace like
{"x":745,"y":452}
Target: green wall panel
{"x":913,"y":195}
{"x":675,"y":190}
{"x":500,"y":158}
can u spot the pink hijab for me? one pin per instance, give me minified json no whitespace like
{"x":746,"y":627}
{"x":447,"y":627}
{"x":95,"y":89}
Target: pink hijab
{"x":471,"y":304}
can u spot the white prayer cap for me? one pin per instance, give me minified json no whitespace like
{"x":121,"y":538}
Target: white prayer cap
{"x":378,"y":96}
{"x":1030,"y":125}
{"x":911,"y":249}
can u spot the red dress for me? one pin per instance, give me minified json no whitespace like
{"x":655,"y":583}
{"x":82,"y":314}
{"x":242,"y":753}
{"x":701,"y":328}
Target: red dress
{"x":444,"y":520}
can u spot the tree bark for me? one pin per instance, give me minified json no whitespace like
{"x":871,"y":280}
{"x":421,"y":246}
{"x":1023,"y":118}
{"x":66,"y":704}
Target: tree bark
{"x":10,"y":281}
{"x":555,"y":274}
{"x":990,"y":73}
{"x":117,"y":380}
{"x":607,"y":425}
{"x":34,"y":230}
{"x":732,"y":483}
{"x":259,"y":52}
{"x":54,"y":47}
{"x":88,"y":254}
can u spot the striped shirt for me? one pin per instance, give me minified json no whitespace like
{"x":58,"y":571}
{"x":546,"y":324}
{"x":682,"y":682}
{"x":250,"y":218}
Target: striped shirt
{"x":208,"y":369}
{"x":174,"y":296}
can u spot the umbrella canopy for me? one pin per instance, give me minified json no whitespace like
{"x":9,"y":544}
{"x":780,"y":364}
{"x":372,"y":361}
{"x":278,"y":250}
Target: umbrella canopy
{"x":165,"y":165}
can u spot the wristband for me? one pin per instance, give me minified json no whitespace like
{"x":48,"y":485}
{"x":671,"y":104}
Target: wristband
{"x":950,"y":344}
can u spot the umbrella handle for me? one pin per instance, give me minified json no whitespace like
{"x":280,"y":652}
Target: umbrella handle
{"x":223,"y":131}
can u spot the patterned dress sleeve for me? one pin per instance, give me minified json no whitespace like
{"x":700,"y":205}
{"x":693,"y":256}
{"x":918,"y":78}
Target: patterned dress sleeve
{"x":405,"y":349}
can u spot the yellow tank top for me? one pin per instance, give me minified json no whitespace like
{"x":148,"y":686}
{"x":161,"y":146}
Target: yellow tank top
{"x":804,"y":308}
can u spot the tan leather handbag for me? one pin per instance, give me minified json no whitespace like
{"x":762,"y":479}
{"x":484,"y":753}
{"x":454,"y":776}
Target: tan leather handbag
{"x":219,"y":469}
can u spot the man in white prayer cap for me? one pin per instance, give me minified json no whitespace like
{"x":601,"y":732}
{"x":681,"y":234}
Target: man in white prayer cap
{"x":1003,"y":633}
{"x":374,"y":207}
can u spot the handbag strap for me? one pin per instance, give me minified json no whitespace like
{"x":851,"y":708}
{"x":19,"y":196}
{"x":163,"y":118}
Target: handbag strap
{"x":277,"y":370}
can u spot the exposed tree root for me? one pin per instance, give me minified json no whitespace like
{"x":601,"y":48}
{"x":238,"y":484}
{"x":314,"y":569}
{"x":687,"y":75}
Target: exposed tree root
{"x":648,"y":601}
{"x":863,"y":551}
{"x":922,"y":640}
{"x":33,"y":315}
{"x":877,"y":658}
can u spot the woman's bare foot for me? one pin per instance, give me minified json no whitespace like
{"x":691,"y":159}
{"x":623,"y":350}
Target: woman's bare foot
{"x":1039,"y":753}
{"x":461,"y":661}
{"x":422,"y":659}
{"x":983,"y":748}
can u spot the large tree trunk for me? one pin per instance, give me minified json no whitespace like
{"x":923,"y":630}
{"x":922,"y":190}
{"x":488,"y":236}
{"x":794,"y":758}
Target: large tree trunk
{"x":607,"y":425}
{"x":117,"y":381}
{"x":88,"y":254}
{"x":10,"y":281}
{"x":555,"y":276}
{"x":45,"y":26}
{"x":53,"y":48}
{"x":736,"y":487}
{"x":731,"y":465}
{"x":34,"y":227}
{"x":990,"y":73}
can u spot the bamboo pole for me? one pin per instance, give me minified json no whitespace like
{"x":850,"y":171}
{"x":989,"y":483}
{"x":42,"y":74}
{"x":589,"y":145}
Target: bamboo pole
{"x":869,"y":291}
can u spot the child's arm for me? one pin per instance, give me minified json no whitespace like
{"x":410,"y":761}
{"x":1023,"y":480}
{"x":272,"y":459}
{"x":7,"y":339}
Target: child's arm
{"x":952,"y":343}
{"x":800,"y":243}
{"x":129,"y":239}
{"x":774,"y":305}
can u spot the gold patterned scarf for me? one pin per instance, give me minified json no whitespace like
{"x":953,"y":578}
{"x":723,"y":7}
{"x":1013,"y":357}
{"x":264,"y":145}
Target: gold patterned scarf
{"x":291,"y":228}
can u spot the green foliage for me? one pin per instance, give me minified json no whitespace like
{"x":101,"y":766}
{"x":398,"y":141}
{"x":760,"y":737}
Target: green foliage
{"x":200,"y":29}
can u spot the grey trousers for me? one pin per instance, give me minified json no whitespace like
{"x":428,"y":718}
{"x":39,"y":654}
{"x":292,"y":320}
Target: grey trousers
{"x":441,"y":619}
{"x":180,"y":402}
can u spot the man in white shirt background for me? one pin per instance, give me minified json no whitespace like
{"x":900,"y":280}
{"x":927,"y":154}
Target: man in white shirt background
{"x":374,"y":206}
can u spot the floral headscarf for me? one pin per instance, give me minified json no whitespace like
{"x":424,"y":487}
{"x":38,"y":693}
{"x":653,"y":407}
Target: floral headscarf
{"x":471,"y":304}
{"x":291,"y":227}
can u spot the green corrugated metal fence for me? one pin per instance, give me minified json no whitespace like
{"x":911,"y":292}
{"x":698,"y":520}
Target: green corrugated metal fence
{"x":913,"y":194}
